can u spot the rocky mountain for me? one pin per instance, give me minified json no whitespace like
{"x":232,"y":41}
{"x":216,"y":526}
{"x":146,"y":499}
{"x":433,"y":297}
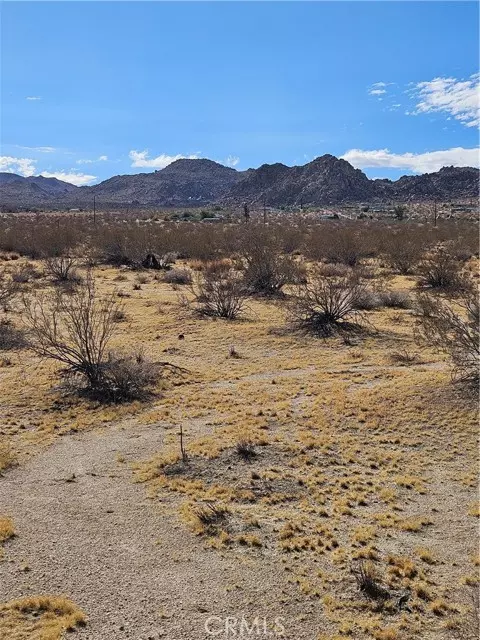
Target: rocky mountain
{"x":33,"y":187}
{"x":326,"y":180}
{"x":183,"y":183}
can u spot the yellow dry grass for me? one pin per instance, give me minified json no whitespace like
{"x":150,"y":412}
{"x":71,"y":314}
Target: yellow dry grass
{"x":39,"y":618}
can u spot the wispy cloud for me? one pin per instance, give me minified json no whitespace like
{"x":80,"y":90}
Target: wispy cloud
{"x":378,"y":88}
{"x":231,"y":161}
{"x":73,"y":177}
{"x":37,"y":149}
{"x":416,"y":162}
{"x":142,"y":159}
{"x":33,"y":98}
{"x":457,"y":98}
{"x":99,"y":159}
{"x":22,"y":166}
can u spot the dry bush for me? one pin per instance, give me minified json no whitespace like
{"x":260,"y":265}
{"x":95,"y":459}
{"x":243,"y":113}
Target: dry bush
{"x":347,"y":247}
{"x":403,"y":251}
{"x":266,"y":269}
{"x":73,"y":329}
{"x":126,"y":377}
{"x":245,"y":450}
{"x":211,"y":515}
{"x":11,"y":337}
{"x":440,"y":270}
{"x":395,"y":299}
{"x":369,"y":583}
{"x":220,"y":293}
{"x":8,"y":290}
{"x":178,"y":277}
{"x":26,"y":273}
{"x":367,"y":300}
{"x":324,"y":305}
{"x":62,"y":269}
{"x":440,"y":326}
{"x":333,"y":270}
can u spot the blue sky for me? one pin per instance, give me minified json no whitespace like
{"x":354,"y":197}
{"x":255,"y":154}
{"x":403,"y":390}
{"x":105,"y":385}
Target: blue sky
{"x":95,"y":89}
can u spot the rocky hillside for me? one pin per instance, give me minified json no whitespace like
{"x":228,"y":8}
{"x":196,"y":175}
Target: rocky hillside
{"x":191,"y":183}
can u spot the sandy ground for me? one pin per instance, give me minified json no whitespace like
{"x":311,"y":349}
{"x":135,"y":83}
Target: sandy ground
{"x":120,"y":557}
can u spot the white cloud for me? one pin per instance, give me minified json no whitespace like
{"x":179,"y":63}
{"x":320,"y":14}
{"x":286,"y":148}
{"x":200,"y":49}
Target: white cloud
{"x":378,"y":88}
{"x":23,"y":166}
{"x":37,"y":149}
{"x":458,"y":98}
{"x":78,"y":179}
{"x":231,"y":161}
{"x":416,"y":162}
{"x":141,"y":159}
{"x":26,"y":168}
{"x":99,"y":159}
{"x":33,"y":98}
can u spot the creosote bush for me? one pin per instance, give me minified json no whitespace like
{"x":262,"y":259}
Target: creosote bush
{"x":325,"y":305}
{"x":457,"y":333}
{"x":440,"y":270}
{"x":62,"y":269}
{"x":75,"y":329}
{"x":220,"y":293}
{"x":266,"y":270}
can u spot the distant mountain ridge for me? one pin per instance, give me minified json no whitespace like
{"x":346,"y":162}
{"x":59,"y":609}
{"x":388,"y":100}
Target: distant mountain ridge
{"x":327,"y":180}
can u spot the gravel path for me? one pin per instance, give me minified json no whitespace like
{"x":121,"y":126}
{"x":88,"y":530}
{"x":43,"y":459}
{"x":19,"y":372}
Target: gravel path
{"x":135,"y":572}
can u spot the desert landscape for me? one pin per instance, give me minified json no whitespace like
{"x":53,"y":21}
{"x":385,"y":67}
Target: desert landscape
{"x":239,"y":320}
{"x":278,"y":438}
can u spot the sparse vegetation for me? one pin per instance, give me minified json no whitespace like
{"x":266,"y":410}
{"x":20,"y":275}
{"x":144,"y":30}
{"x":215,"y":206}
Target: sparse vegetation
{"x":455,"y":332}
{"x":326,"y":305}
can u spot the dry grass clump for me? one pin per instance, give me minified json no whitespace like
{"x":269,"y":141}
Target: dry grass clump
{"x":39,"y":618}
{"x":7,"y":457}
{"x":7,"y":531}
{"x":440,"y":326}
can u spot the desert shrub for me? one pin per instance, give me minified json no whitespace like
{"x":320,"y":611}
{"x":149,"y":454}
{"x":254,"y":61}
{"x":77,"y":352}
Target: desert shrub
{"x":220,"y":293}
{"x":346,"y":247}
{"x":456,"y":333}
{"x":333,"y":270}
{"x":126,"y":377}
{"x":369,"y":583}
{"x":8,"y":290}
{"x":324,"y":305}
{"x":178,"y":276}
{"x":11,"y":337}
{"x":245,"y":450}
{"x":73,"y":329}
{"x":440,"y":270}
{"x":266,"y":270}
{"x":394,"y":299}
{"x":367,"y":300}
{"x":26,"y":273}
{"x":62,"y":269}
{"x":403,"y":250}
